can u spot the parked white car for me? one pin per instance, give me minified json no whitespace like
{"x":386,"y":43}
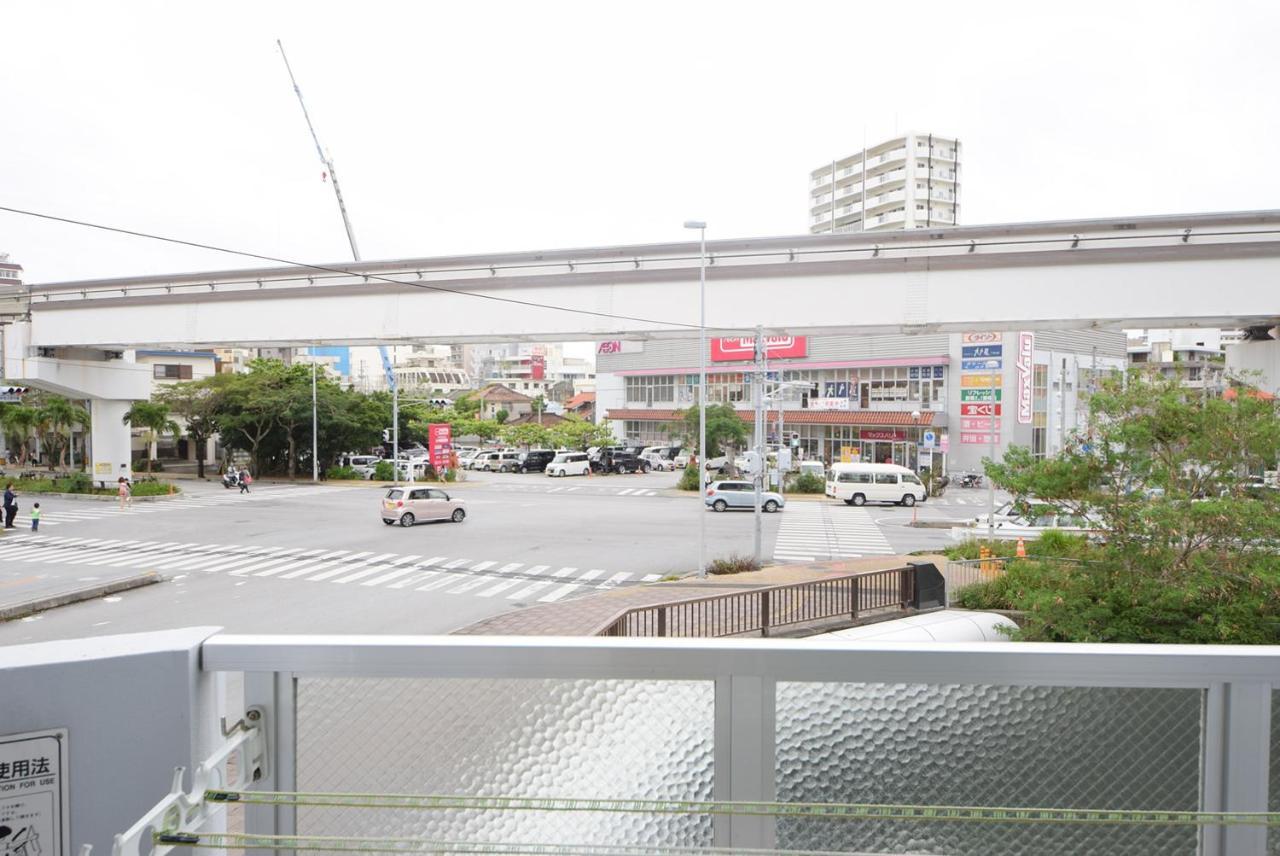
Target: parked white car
{"x":569,"y":464}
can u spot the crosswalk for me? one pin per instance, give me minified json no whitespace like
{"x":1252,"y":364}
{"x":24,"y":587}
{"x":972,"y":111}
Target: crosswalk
{"x":83,"y":511}
{"x":817,"y":531}
{"x":359,"y":569}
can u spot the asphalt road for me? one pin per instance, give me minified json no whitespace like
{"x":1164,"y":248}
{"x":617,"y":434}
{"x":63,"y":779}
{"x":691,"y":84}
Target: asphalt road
{"x":306,"y":559}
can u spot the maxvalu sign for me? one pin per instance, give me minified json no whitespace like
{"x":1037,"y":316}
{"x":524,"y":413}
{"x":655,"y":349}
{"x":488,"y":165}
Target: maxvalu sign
{"x":744,"y":348}
{"x":1026,"y":358}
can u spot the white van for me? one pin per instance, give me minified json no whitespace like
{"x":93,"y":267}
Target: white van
{"x":569,"y":464}
{"x":858,"y":484}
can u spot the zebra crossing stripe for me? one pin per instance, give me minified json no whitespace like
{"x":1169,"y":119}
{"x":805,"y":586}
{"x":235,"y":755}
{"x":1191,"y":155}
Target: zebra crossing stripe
{"x":341,"y":569}
{"x":372,"y":569}
{"x":272,"y":571}
{"x":614,"y":580}
{"x":558,"y":593}
{"x":403,"y":560}
{"x":530,"y":591}
{"x":444,"y":580}
{"x":417,"y":570}
{"x":564,"y":572}
{"x":330,"y":559}
{"x":313,"y":563}
{"x":505,"y":584}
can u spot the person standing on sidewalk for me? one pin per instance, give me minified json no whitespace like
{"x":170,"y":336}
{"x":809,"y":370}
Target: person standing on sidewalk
{"x":10,"y":505}
{"x":125,"y":491}
{"x":35,"y":517}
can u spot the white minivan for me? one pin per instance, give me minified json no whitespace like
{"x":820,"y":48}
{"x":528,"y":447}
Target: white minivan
{"x":858,"y":484}
{"x":569,"y":464}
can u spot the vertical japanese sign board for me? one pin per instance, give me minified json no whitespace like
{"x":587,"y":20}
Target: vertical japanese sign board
{"x":1026,"y":355}
{"x":34,"y":816}
{"x":439,"y":444}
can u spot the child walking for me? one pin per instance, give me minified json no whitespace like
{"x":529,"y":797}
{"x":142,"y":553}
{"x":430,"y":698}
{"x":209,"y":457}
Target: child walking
{"x":35,"y":517}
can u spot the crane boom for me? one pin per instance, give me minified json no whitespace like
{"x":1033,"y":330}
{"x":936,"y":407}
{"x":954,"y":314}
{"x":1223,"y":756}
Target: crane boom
{"x":337,"y":191}
{"x":324,"y":158}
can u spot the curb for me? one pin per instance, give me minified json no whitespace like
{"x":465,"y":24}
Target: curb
{"x":90,"y":497}
{"x":40,"y":604}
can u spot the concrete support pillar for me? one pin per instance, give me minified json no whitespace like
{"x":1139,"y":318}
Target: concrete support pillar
{"x":112,"y":440}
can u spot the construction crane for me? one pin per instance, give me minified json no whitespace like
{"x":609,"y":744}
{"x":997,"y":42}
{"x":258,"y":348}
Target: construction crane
{"x":387,"y":369}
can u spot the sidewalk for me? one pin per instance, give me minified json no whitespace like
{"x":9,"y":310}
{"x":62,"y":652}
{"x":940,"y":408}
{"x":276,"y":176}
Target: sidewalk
{"x":585,"y":615}
{"x":24,"y":592}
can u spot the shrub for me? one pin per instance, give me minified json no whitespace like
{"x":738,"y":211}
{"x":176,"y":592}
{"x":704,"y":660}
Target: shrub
{"x":75,"y":483}
{"x":339,"y":473}
{"x":689,"y":479}
{"x":154,"y":488}
{"x":733,"y":564}
{"x":384,"y":471}
{"x":806,"y":483}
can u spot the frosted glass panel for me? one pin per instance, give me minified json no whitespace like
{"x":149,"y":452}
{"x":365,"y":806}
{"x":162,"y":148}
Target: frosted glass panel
{"x":1060,"y":747}
{"x":1273,"y":794}
{"x":534,"y":738}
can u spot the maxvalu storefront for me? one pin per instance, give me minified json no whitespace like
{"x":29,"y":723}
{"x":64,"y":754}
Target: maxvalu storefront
{"x":937,"y":400}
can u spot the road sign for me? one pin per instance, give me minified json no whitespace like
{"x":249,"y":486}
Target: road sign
{"x":929,"y":438}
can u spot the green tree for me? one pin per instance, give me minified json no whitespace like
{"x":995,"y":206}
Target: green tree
{"x":1189,"y":555}
{"x":467,"y":404}
{"x":197,"y":404}
{"x":501,"y":417}
{"x":725,"y":429}
{"x":249,"y":408}
{"x":575,"y":433}
{"x":19,"y":421}
{"x":526,"y":435}
{"x":61,"y":415}
{"x":153,"y":417}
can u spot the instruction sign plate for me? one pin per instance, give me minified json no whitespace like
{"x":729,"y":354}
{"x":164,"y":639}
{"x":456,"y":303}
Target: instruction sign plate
{"x":34,"y":820}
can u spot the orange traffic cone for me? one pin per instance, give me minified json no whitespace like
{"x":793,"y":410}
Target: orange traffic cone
{"x":1022,"y":549}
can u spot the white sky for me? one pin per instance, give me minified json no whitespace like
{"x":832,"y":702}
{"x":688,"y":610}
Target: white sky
{"x":505,"y":126}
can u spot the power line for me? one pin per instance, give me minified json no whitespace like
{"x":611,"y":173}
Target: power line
{"x":196,"y":244}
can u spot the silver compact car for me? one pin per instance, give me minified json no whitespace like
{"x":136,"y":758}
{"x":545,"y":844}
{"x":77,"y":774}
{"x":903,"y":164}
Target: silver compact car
{"x":409,"y":505}
{"x":723,"y":495}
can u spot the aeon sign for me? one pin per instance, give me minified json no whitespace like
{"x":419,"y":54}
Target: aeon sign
{"x":744,"y":348}
{"x":1026,"y":358}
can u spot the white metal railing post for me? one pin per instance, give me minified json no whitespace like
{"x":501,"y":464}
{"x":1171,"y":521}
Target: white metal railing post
{"x":1235,"y":766}
{"x":274,"y":692}
{"x":745,"y":758}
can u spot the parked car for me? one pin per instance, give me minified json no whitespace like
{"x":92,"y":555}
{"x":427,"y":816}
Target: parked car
{"x":507,"y":462}
{"x":362,"y":464}
{"x":534,"y":460}
{"x":569,"y":464}
{"x":466,"y":461}
{"x":410,"y":505}
{"x":724,"y":495}
{"x":858,"y":484}
{"x":816,"y":468}
{"x":619,"y":462}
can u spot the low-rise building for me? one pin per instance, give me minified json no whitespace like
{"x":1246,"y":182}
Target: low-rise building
{"x":1194,"y":357}
{"x":939,"y":400}
{"x":496,"y":397}
{"x":168,"y":368}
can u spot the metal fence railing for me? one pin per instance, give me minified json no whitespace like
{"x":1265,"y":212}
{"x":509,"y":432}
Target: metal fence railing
{"x":762,"y":610}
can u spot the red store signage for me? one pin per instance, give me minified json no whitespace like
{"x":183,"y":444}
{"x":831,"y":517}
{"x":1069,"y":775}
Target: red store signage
{"x":744,"y":348}
{"x":881,"y":434}
{"x":975,"y":408}
{"x":440,"y":444}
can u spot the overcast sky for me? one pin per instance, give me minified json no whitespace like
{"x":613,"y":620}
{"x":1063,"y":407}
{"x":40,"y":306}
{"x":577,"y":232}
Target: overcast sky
{"x":461,"y":127}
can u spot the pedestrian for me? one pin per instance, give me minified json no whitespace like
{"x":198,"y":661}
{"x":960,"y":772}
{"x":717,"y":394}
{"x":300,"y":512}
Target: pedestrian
{"x":125,"y":491}
{"x":10,"y":505}
{"x":245,"y":481}
{"x":35,"y":517}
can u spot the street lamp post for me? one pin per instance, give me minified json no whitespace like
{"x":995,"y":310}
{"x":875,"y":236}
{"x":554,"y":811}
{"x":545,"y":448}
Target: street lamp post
{"x":701,"y":226}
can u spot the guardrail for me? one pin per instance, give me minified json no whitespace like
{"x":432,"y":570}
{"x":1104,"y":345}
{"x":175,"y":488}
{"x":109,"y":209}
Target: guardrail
{"x":907,"y":589}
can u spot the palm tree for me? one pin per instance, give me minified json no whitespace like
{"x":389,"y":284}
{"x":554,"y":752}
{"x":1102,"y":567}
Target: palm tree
{"x":58,"y":413}
{"x":19,"y":422}
{"x":154,"y":417}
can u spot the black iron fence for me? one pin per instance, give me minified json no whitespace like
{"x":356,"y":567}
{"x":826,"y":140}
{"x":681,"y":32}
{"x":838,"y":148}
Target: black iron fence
{"x":851,"y":596}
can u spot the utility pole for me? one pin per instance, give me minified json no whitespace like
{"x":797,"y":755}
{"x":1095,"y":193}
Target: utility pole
{"x":1062,"y":408}
{"x":757,"y":390}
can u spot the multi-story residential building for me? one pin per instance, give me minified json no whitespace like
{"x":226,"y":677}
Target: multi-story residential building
{"x":168,"y":368}
{"x":909,"y":182}
{"x":10,"y":271}
{"x":1195,"y":356}
{"x":937,"y":400}
{"x":430,"y":370}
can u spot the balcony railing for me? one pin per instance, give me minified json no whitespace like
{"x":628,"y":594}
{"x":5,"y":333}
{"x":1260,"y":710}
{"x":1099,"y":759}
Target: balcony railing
{"x":960,"y":748}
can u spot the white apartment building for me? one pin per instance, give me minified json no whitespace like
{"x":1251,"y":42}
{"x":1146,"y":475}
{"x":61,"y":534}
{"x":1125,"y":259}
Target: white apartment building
{"x":908,"y":182}
{"x":1195,"y":357}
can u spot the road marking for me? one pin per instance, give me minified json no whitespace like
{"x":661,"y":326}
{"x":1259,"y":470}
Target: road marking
{"x":330,"y":559}
{"x":333,"y":572}
{"x":399,"y":572}
{"x":558,"y":593}
{"x":270,"y":572}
